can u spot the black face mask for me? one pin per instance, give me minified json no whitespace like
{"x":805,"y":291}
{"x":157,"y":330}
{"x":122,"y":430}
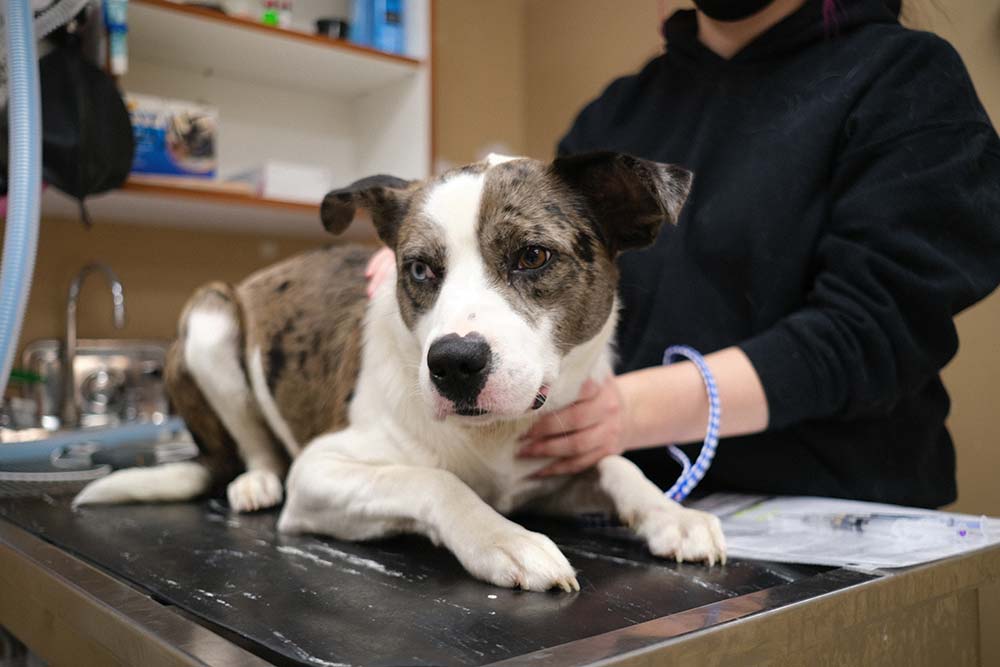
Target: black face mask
{"x":730,"y":10}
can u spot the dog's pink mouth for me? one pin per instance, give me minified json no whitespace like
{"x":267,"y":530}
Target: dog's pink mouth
{"x":445,"y":408}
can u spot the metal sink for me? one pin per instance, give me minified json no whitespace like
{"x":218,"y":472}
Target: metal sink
{"x":116,"y":381}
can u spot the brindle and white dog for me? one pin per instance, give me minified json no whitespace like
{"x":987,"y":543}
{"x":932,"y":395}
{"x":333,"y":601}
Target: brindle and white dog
{"x":403,"y":414}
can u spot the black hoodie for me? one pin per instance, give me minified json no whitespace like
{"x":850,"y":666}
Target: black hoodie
{"x":846,"y":205}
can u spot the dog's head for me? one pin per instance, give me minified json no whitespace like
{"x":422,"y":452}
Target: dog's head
{"x":506,"y":265}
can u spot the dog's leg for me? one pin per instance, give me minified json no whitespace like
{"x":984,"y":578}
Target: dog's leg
{"x":217,"y":448}
{"x":212,"y":352}
{"x":356,"y":501}
{"x":669,"y":529}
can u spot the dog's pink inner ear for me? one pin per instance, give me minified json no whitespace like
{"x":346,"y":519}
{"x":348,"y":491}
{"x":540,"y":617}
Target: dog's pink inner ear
{"x":630,"y":197}
{"x":386,"y":198}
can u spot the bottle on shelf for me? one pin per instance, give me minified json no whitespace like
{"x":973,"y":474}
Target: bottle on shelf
{"x":380,"y":24}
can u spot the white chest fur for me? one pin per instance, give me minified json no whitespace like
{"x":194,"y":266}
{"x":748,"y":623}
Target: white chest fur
{"x":399,"y":427}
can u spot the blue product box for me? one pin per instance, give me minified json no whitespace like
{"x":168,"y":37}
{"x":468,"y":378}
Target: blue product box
{"x":173,"y":137}
{"x":362,"y":12}
{"x":389,"y":26}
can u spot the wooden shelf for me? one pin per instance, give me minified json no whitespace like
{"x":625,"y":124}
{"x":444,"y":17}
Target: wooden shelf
{"x":194,"y":38}
{"x":282,"y":95}
{"x":215,"y":192}
{"x":202,"y":207}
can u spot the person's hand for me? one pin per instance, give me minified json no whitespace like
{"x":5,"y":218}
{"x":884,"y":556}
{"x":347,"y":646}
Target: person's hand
{"x":380,"y":264}
{"x":581,"y":434}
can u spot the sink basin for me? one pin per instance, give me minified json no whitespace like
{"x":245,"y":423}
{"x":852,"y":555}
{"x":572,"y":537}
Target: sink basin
{"x":116,"y":381}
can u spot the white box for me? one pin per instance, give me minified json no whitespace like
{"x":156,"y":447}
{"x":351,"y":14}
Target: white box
{"x":288,"y":181}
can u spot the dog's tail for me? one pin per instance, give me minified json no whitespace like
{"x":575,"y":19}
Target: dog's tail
{"x":170,"y":482}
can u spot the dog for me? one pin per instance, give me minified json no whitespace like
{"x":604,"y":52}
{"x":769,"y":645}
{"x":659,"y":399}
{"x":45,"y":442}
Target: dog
{"x":402,"y":414}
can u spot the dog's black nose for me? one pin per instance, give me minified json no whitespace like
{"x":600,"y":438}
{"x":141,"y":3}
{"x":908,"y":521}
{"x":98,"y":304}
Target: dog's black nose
{"x":459,"y":366}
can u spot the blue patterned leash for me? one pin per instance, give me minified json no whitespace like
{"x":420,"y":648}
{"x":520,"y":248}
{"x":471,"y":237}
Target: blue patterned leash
{"x":692,"y":474}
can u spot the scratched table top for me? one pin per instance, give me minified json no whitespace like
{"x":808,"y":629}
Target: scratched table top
{"x":301,"y":600}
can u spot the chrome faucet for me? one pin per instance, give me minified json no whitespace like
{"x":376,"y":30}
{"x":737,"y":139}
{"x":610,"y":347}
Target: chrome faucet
{"x":70,"y":411}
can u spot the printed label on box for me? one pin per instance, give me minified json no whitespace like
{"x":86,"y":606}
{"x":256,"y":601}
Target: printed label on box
{"x":173,"y":137}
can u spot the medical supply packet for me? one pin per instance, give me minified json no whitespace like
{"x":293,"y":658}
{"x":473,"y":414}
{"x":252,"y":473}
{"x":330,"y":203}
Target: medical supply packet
{"x":843,"y":533}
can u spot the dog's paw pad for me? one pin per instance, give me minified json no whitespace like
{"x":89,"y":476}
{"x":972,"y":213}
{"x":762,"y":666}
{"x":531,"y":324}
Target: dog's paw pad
{"x":526,"y":560}
{"x":685,"y":535}
{"x":254,"y":490}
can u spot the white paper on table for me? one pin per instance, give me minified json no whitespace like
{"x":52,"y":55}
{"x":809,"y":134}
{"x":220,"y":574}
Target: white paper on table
{"x":844,"y":533}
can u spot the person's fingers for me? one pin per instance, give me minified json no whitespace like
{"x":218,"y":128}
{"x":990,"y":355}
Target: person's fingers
{"x":573,"y":464}
{"x":568,"y":444}
{"x":383,"y":268}
{"x":589,"y":390}
{"x":378,"y":268}
{"x":584,"y":413}
{"x":388,"y":259}
{"x":373,"y":262}
{"x":379,"y":276}
{"x":381,"y":257}
{"x":576,"y":417}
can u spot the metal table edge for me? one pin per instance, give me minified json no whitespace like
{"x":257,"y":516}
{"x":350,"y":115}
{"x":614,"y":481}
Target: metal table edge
{"x":128,"y":617}
{"x":116,"y":619}
{"x":658,"y":636}
{"x":660,"y":633}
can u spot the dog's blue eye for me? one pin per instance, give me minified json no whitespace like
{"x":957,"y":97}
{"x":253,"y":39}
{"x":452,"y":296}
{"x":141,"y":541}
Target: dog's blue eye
{"x":420,"y":272}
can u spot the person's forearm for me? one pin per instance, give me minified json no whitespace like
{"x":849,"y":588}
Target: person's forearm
{"x":668,"y":404}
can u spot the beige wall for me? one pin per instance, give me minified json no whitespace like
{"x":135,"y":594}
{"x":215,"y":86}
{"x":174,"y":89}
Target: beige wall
{"x":479,"y":79}
{"x":158,"y":267}
{"x":510,"y":75}
{"x":973,"y":27}
{"x":576,"y":47}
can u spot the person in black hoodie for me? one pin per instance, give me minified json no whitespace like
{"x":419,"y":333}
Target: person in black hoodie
{"x":846,"y":205}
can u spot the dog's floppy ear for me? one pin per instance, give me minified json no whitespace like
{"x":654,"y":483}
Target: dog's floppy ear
{"x":386,"y":198}
{"x":629,"y":198}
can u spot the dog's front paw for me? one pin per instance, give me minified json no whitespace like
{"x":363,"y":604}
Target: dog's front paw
{"x":687,"y":535}
{"x":254,"y":490}
{"x":522,"y":559}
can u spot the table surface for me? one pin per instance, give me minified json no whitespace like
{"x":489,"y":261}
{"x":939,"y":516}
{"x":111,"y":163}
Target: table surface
{"x":303,"y":600}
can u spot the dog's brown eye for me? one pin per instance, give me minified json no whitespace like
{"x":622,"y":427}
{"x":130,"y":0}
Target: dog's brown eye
{"x":533,"y":258}
{"x":420,"y":272}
